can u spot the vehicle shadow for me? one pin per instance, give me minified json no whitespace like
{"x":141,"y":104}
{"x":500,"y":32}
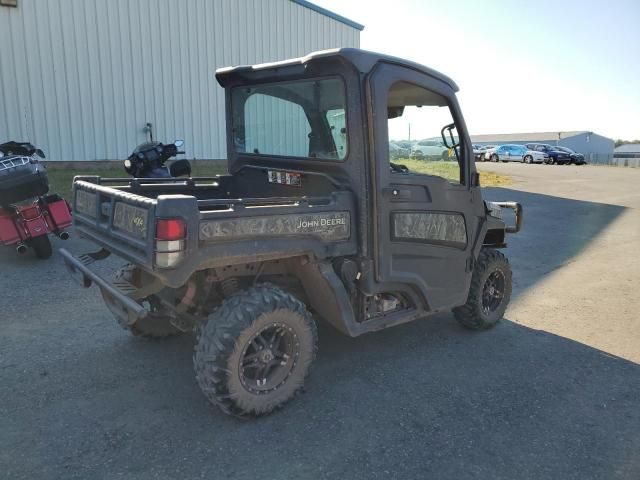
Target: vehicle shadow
{"x":419,"y":400}
{"x":555,"y":230}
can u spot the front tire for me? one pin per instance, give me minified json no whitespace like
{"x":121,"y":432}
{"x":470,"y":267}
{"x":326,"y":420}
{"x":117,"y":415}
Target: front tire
{"x":41,"y":246}
{"x":255,"y":351}
{"x":489,"y":293}
{"x":528,"y":159}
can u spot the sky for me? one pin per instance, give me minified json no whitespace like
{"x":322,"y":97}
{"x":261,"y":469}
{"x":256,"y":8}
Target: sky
{"x":522,"y":66}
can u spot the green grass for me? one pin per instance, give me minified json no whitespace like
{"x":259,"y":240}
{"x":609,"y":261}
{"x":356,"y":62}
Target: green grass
{"x":450,"y":171}
{"x":60,"y":179}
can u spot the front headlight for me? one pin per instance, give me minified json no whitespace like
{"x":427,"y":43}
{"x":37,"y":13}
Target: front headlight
{"x":127,"y":163}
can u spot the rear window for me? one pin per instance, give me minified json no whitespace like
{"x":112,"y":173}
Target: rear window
{"x":291,"y":119}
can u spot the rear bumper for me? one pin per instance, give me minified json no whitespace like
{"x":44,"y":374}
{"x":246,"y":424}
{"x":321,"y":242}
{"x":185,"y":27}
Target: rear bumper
{"x":122,"y":306}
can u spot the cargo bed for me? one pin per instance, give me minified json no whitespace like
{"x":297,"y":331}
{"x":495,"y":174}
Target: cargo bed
{"x":221,"y":229}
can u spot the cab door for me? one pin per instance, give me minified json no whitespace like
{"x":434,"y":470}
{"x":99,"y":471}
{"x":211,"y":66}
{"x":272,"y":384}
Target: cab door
{"x":427,"y":219}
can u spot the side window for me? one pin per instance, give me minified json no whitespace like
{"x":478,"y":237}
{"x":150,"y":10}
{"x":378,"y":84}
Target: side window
{"x":416,"y":117}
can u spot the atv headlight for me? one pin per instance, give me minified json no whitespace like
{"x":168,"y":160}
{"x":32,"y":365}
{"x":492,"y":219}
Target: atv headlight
{"x":495,"y":210}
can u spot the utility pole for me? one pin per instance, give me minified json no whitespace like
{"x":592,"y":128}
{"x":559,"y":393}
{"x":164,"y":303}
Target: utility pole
{"x":409,"y":131}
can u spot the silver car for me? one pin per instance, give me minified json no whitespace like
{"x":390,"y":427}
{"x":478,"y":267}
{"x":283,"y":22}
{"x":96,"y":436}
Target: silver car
{"x":517,"y":153}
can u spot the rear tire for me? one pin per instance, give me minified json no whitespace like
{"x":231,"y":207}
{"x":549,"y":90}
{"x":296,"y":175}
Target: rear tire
{"x":494,"y":158}
{"x":489,"y":293}
{"x":41,"y":246}
{"x":156,"y":324}
{"x":255,"y":351}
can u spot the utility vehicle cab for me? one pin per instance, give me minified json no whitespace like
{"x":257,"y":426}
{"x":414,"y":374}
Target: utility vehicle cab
{"x":332,"y":115}
{"x":314,"y":217}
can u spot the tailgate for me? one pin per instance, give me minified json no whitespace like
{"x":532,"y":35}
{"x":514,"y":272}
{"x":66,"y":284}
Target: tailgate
{"x":124,"y":222}
{"x":120,"y":221}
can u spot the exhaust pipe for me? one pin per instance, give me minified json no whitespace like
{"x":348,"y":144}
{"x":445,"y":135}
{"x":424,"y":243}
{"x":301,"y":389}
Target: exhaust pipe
{"x":64,"y":236}
{"x":21,"y":249}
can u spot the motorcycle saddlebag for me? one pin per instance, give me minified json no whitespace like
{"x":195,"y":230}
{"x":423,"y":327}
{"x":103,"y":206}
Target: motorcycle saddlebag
{"x":8,"y":231}
{"x":59,"y":211}
{"x":21,"y":178}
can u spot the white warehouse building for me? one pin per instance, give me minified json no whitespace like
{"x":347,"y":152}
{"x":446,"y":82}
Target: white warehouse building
{"x":82,"y":78}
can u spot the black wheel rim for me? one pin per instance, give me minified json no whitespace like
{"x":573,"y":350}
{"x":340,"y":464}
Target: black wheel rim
{"x":269,"y":358}
{"x":493,"y":292}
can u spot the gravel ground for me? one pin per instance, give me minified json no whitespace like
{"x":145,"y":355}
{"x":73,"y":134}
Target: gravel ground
{"x":552,"y":392}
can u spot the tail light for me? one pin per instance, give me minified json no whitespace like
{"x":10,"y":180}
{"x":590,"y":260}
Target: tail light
{"x":171,"y":234}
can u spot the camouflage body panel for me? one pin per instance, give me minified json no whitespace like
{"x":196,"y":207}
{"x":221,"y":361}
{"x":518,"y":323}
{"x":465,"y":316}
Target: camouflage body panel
{"x":130,"y":219}
{"x":85,"y":203}
{"x":327,"y":226}
{"x":430,"y":227}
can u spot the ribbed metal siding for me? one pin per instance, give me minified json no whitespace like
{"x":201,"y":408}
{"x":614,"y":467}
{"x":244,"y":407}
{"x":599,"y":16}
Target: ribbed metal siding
{"x":81,"y":78}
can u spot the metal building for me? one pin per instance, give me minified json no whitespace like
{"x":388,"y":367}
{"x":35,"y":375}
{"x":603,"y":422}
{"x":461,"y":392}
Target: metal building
{"x":593,"y":146}
{"x":82,"y":78}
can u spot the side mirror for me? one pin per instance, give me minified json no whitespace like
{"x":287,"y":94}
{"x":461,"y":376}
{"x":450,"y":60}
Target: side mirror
{"x":178,"y":143}
{"x":449,"y":142}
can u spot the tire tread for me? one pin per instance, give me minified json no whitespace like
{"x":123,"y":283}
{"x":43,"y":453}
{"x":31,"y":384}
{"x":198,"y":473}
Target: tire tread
{"x":469,"y":315}
{"x":216,"y":340}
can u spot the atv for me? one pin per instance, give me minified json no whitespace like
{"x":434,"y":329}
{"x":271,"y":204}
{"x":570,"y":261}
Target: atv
{"x":312,"y":223}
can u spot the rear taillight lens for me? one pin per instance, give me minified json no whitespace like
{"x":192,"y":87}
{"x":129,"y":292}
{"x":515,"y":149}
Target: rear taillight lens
{"x":171,"y":236}
{"x":170,"y":229}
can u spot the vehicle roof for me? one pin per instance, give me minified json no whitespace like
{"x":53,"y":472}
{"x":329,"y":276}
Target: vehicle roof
{"x":363,"y":60}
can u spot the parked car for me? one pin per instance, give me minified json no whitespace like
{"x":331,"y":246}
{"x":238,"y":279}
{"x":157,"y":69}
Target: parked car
{"x":488,"y":152}
{"x":555,"y":155}
{"x":479,"y":152}
{"x":576,"y":157}
{"x":430,"y":149}
{"x":397,"y":151}
{"x":517,"y":153}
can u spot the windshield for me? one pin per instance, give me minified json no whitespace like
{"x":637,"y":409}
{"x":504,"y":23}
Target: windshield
{"x":292,"y":119}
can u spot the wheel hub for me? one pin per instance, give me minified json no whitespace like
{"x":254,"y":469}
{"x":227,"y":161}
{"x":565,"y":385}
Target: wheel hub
{"x":266,"y":355}
{"x":493,"y":291}
{"x":269,"y":358}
